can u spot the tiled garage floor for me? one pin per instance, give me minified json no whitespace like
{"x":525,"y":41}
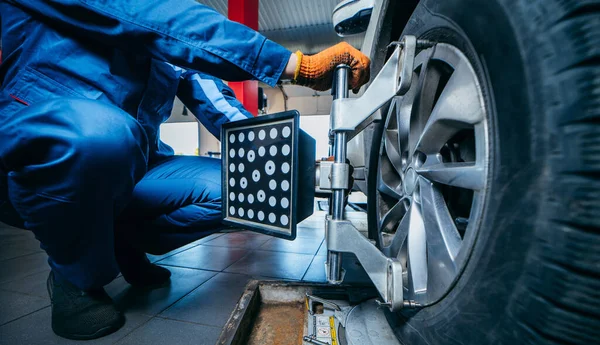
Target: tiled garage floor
{"x":208,"y":278}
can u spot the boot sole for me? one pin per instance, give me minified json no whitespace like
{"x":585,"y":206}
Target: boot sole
{"x":98,"y":334}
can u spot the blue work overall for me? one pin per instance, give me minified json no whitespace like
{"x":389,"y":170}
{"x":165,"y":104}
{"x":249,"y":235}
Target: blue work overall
{"x":85,"y":85}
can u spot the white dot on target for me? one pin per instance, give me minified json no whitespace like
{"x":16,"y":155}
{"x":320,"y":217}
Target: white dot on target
{"x":243,"y":183}
{"x":285,"y":185}
{"x":232,"y":196}
{"x":232,"y":138}
{"x":272,"y":217}
{"x":241,"y":167}
{"x":251,"y":136}
{"x":270,"y":168}
{"x":272,"y":184}
{"x":241,"y":212}
{"x":232,"y":167}
{"x":241,"y":197}
{"x":261,"y":151}
{"x":284,"y":220}
{"x":285,"y":167}
{"x":241,"y":152}
{"x":250,"y":214}
{"x":285,"y":150}
{"x":251,"y":156}
{"x":232,"y":210}
{"x":261,"y":196}
{"x":286,"y":131}
{"x":256,"y":175}
{"x":251,"y":198}
{"x":241,"y":137}
{"x":232,"y":153}
{"x":273,"y":133}
{"x":261,"y":215}
{"x":262,"y":134}
{"x":273,"y":150}
{"x":285,"y":203}
{"x":272,"y":201}
{"x":232,"y":182}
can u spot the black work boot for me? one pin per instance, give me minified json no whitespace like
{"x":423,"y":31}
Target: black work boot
{"x":138,"y":270}
{"x":81,"y":315}
{"x":144,"y":274}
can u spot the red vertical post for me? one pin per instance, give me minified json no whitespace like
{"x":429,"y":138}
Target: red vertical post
{"x":245,"y":12}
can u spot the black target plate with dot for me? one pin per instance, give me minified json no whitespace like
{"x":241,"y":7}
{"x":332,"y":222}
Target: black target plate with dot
{"x":263,"y":169}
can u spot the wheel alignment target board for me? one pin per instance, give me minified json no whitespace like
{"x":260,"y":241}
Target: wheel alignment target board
{"x":261,"y":174}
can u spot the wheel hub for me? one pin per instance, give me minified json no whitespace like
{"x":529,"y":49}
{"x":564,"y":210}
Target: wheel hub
{"x":410,"y":181}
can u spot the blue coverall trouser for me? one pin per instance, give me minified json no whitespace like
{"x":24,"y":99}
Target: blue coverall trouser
{"x":75,"y":172}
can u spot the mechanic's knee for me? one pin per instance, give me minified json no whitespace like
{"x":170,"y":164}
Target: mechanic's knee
{"x":212,"y":172}
{"x":101,"y":133}
{"x":81,"y":135}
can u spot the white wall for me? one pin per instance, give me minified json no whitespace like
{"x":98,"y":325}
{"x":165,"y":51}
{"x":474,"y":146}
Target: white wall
{"x":305,"y":100}
{"x":317,"y":126}
{"x":182,"y":137}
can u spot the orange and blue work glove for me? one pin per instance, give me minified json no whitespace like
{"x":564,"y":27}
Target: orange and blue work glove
{"x":316,"y":71}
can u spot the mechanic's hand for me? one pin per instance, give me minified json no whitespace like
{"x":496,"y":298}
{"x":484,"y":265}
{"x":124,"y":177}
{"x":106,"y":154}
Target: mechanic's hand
{"x":316,"y":71}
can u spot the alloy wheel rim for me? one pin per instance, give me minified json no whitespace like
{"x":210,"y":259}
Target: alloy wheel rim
{"x":432,"y":173}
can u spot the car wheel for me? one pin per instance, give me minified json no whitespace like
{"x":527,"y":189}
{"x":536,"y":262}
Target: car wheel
{"x":486,"y":185}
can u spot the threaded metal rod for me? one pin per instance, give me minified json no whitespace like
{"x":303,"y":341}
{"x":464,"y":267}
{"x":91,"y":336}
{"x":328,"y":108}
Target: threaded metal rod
{"x":339,"y":153}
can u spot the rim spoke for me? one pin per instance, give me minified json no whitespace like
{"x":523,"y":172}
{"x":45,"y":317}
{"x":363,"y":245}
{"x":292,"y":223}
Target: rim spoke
{"x":399,"y":237}
{"x":389,"y":181}
{"x":389,"y":190}
{"x":404,"y":106}
{"x":417,"y":250}
{"x":443,"y":239}
{"x":424,"y":99}
{"x":458,"y":107}
{"x":393,"y":216}
{"x":392,"y":150}
{"x":463,"y":175}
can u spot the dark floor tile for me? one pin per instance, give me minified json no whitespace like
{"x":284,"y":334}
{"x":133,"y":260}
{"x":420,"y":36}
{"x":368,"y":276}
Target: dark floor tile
{"x":6,"y":230}
{"x":311,"y":232}
{"x":208,"y":238}
{"x":155,"y":258}
{"x":239,"y":240}
{"x":34,"y":284}
{"x":152,"y":302}
{"x":212,"y":303}
{"x":272,"y":264}
{"x":17,"y":242}
{"x":300,"y":245}
{"x":322,"y":249}
{"x":312,"y":223}
{"x":16,"y":305}
{"x":316,"y":271}
{"x":162,"y":331}
{"x":36,"y":329}
{"x":206,"y":257}
{"x":355,"y":274}
{"x":262,"y":278}
{"x":15,"y":251}
{"x":23,"y":266}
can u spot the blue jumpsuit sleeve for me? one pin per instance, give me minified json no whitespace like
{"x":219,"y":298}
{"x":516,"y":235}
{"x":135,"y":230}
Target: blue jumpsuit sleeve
{"x":182,"y":32}
{"x":211,"y":101}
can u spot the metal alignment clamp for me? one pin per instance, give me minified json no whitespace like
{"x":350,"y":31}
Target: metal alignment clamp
{"x":348,"y":114}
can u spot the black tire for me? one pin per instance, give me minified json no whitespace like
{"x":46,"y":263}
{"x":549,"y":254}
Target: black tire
{"x":534,"y":272}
